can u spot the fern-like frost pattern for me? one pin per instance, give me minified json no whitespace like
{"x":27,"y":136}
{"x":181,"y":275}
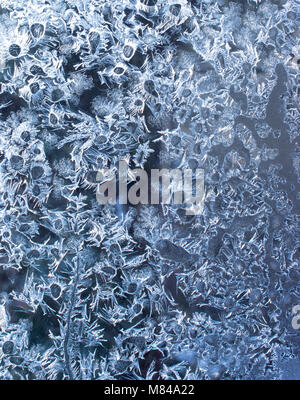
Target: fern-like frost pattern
{"x":95,"y":292}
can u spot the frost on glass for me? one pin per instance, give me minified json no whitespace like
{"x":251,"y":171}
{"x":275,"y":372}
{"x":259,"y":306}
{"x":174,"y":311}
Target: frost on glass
{"x":147,"y":292}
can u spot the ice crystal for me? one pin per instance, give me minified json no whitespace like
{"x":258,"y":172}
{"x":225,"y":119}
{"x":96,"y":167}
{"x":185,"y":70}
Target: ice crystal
{"x":147,"y":292}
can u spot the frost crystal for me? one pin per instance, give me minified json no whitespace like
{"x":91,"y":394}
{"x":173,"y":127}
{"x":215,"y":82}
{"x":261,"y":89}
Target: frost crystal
{"x":89,"y":291}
